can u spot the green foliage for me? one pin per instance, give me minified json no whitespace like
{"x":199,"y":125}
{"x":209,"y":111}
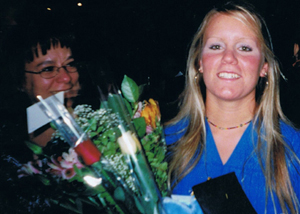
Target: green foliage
{"x":155,"y":149}
{"x":35,"y":148}
{"x":140,"y":126}
{"x":101,"y":126}
{"x":130,"y":89}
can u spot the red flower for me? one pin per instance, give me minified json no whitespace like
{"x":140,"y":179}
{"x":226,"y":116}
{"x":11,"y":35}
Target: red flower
{"x":88,"y":152}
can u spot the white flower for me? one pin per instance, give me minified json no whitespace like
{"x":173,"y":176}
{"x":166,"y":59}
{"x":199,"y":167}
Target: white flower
{"x":129,"y":143}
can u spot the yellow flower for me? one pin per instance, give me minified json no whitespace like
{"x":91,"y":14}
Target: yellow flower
{"x":151,"y":112}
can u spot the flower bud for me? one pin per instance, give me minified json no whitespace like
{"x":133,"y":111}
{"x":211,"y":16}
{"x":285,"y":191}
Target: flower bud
{"x":129,"y":143}
{"x":88,"y":152}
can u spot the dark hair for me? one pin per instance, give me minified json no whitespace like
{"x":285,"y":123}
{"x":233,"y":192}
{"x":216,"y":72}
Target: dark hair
{"x":20,"y":45}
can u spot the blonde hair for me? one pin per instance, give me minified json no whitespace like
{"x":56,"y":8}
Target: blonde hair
{"x":186,"y":152}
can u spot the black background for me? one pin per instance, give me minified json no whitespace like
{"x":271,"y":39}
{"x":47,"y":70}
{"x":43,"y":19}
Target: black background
{"x":147,"y":40}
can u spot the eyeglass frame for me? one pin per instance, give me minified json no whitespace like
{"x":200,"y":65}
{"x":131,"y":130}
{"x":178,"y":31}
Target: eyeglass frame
{"x":57,"y":71}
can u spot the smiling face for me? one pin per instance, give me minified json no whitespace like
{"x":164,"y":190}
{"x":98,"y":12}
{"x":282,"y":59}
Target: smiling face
{"x":231,"y":60}
{"x":63,"y":81}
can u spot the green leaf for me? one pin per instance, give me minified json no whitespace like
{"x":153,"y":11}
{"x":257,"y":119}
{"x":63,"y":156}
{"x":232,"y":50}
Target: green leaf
{"x":116,"y":104}
{"x":93,"y":126}
{"x":141,"y":88}
{"x":100,"y":129}
{"x":103,"y":105}
{"x":164,"y":166}
{"x":44,"y":180}
{"x":150,"y":155}
{"x":93,"y":134}
{"x":77,"y":170}
{"x":35,"y":148}
{"x":97,"y":142}
{"x":140,"y":126}
{"x":104,"y":140}
{"x":112,"y":135}
{"x":160,"y":155}
{"x":128,"y":106}
{"x":110,"y":145}
{"x":52,"y":125}
{"x":119,"y":194}
{"x":130,"y":89}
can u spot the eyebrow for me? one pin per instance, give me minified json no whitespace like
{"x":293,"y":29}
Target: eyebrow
{"x":50,"y":61}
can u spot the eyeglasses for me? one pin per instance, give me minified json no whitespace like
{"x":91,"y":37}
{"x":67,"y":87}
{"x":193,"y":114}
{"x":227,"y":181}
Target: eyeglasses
{"x":52,"y":71}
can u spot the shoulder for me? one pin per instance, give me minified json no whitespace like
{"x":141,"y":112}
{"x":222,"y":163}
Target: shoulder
{"x":174,"y":132}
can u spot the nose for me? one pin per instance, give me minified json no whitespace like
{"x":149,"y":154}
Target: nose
{"x":229,"y":57}
{"x":63,"y":75}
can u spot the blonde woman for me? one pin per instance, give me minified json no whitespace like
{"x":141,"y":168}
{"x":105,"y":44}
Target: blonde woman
{"x":230,"y":118}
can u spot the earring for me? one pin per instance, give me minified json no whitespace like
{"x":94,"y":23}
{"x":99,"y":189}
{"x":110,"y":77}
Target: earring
{"x":196,"y":77}
{"x":266,"y":76}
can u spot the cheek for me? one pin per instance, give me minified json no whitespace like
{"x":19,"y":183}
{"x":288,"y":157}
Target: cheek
{"x":253,"y":62}
{"x":75,"y":77}
{"x":41,"y":85}
{"x":35,"y":85}
{"x":27,"y":85}
{"x":208,"y":60}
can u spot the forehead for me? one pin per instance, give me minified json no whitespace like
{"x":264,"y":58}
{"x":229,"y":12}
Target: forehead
{"x":46,"y":49}
{"x":55,"y":51}
{"x":229,"y":25}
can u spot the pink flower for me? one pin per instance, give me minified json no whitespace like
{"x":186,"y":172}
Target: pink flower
{"x":30,"y":168}
{"x":63,"y":165}
{"x":138,"y":112}
{"x":149,"y":129}
{"x":69,"y":159}
{"x":68,"y":173}
{"x":55,"y":167}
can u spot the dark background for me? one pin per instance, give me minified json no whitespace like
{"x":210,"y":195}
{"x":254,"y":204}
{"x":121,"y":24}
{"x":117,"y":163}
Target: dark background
{"x":147,"y":40}
{"x":145,"y":37}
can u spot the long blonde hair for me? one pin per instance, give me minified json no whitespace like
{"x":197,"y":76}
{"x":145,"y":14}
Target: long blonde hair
{"x":186,"y":152}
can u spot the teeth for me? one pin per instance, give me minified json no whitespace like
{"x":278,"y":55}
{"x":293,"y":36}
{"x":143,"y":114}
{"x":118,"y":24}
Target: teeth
{"x":228,"y":75}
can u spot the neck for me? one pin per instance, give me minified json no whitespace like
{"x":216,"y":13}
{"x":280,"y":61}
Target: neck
{"x":228,"y":114}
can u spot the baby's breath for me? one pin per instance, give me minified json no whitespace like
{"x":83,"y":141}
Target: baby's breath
{"x":100,"y":125}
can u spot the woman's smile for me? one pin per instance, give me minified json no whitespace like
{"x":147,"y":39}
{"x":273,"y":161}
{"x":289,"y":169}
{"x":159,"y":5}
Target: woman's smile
{"x":226,"y":75}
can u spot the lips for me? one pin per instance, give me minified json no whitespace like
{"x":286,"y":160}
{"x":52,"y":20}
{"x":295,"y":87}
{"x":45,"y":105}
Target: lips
{"x":66,"y":90}
{"x":226,"y":75}
{"x":71,"y":93}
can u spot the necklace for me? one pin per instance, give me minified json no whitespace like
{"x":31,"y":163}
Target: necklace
{"x":227,"y":128}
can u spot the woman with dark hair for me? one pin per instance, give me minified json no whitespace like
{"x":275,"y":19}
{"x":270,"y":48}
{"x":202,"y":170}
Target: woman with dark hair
{"x":36,"y":60}
{"x":230,"y":118}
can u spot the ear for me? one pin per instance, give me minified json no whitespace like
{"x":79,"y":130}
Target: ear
{"x":264,"y":70}
{"x":200,"y":67}
{"x":296,"y":49}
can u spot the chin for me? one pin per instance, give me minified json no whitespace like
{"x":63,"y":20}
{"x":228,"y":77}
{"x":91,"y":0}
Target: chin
{"x":71,"y":93}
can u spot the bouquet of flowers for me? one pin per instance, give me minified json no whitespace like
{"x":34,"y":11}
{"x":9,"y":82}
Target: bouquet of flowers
{"x":110,"y":156}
